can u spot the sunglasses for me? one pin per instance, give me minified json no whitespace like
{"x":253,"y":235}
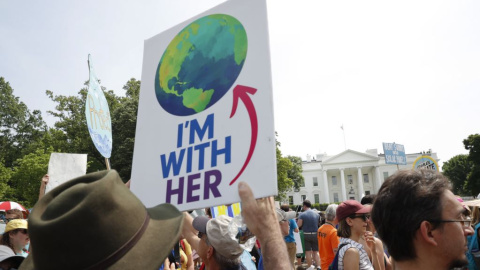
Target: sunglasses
{"x":365,"y":217}
{"x":24,"y":231}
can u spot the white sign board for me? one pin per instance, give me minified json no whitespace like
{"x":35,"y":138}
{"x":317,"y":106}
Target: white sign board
{"x":205,"y":117}
{"x":298,"y":241}
{"x":63,"y":167}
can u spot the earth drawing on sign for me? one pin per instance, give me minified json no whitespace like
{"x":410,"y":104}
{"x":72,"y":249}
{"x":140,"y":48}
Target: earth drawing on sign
{"x":200,"y":64}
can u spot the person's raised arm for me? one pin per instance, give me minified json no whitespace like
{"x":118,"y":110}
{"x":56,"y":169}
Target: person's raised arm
{"x":285,"y":227}
{"x":189,"y":232}
{"x":261,"y":219}
{"x":43,"y":185}
{"x":373,"y":247}
{"x":380,"y":254}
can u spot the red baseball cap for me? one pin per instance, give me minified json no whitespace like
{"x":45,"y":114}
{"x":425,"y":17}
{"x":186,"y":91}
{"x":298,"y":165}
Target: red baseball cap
{"x":350,"y":207}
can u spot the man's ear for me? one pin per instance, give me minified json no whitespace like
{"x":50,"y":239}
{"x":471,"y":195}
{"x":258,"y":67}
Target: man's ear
{"x":210,"y":251}
{"x":428,"y":233}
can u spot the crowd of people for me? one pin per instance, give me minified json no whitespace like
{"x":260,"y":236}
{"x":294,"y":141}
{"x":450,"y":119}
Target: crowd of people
{"x":96,"y":222}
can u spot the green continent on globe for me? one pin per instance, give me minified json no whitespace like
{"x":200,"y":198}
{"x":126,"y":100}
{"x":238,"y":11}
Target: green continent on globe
{"x":201,"y":64}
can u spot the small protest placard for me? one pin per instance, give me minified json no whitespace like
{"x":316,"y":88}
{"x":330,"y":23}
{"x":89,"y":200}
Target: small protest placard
{"x":425,"y":162}
{"x":97,"y":113}
{"x":63,"y":167}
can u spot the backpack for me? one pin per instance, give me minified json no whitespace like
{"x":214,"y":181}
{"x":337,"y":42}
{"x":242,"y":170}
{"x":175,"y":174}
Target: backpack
{"x":334,"y":265}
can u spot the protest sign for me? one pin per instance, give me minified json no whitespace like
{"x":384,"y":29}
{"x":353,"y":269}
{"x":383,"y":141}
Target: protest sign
{"x":205,"y":117}
{"x":426,"y":162}
{"x":394,"y":153}
{"x":63,"y":167}
{"x":298,"y":242}
{"x":232,"y":210}
{"x":98,"y":115}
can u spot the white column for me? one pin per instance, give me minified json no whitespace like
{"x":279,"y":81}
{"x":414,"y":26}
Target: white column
{"x":325,"y":187}
{"x":378,"y":180}
{"x":342,"y":183}
{"x":361,"y":193}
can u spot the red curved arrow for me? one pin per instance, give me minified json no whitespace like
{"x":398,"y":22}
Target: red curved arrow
{"x":241,"y":92}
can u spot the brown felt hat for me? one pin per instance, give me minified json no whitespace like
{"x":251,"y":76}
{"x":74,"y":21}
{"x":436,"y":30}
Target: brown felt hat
{"x":95,"y":222}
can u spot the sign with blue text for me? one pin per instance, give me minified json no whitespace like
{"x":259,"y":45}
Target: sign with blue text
{"x":98,"y":115}
{"x":425,"y":162}
{"x":394,"y":153}
{"x":205,"y":117}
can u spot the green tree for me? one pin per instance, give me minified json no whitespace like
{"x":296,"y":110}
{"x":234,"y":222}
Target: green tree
{"x":72,"y":122}
{"x":124,"y":121}
{"x":18,"y":126}
{"x":295,"y":172}
{"x":457,"y":169}
{"x":284,"y":165}
{"x":27,"y":174}
{"x":5,"y":175}
{"x":472,"y":143}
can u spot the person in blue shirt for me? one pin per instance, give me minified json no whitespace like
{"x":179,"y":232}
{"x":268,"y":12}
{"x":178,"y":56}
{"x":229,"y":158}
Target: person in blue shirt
{"x":309,"y":220}
{"x":290,"y":239}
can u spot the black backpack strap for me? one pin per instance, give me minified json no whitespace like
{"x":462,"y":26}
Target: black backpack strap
{"x":334,"y":265}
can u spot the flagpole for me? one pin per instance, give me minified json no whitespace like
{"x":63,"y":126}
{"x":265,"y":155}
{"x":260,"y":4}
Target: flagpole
{"x":344,"y":141}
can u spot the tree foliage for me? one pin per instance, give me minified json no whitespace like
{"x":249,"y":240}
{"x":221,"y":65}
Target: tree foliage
{"x":457,"y":169}
{"x":27,"y":175}
{"x":289,"y":173}
{"x":472,"y":143}
{"x":5,"y":175}
{"x":124,"y":121}
{"x":18,"y":126}
{"x":27,"y":142}
{"x":464,"y":170}
{"x":70,"y":112}
{"x":295,"y":172}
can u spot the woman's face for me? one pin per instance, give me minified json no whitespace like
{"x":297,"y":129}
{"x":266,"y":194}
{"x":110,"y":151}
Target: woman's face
{"x":358,"y":223}
{"x":19,"y":238}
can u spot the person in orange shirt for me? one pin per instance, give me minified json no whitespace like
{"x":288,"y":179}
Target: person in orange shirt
{"x":327,"y":237}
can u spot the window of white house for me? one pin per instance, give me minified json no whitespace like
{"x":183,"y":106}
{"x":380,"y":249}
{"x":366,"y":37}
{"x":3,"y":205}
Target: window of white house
{"x":367,"y":192}
{"x":350,"y":179}
{"x":315,"y":181}
{"x":303,"y":184}
{"x":334,"y":180}
{"x":304,"y":197}
{"x":290,"y":200}
{"x":385,"y":175}
{"x":335,"y":197}
{"x":317,"y":198}
{"x":365,"y":178}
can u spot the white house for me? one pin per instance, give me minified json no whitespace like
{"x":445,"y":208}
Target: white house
{"x":348,"y":175}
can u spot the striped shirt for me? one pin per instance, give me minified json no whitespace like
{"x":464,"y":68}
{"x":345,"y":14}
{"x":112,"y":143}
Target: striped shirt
{"x":365,"y":263}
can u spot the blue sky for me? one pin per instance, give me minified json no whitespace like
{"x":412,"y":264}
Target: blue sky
{"x":405,"y":72}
